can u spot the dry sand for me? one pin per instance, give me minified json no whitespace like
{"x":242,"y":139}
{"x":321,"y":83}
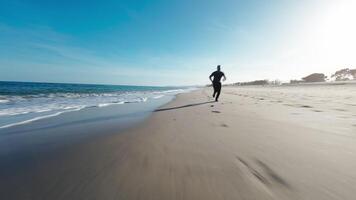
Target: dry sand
{"x":256,"y":143}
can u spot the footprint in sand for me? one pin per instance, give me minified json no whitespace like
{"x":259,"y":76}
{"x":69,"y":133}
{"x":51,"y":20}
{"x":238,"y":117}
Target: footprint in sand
{"x":340,"y":109}
{"x":224,"y":125}
{"x":252,"y":171}
{"x":273,"y":176}
{"x":296,"y":105}
{"x":305,"y":106}
{"x":212,"y":106}
{"x":317,"y":110}
{"x":263,"y":173}
{"x":215,"y":111}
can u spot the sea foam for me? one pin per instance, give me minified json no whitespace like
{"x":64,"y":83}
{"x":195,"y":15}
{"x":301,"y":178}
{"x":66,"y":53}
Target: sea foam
{"x":22,"y":103}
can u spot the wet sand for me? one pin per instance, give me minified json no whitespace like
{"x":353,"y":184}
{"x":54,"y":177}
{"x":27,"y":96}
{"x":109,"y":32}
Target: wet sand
{"x":256,"y":143}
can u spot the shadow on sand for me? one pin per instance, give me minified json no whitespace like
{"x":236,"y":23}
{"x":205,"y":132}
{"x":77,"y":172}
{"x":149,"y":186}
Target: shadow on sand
{"x":185,"y":106}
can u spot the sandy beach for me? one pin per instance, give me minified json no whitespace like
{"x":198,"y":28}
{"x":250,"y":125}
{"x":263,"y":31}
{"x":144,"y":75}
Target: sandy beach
{"x":291,"y":142}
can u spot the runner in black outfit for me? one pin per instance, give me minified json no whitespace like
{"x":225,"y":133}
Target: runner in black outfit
{"x":216,"y":82}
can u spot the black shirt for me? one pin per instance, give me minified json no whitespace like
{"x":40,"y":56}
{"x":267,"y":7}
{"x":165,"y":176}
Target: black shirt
{"x":217,"y":76}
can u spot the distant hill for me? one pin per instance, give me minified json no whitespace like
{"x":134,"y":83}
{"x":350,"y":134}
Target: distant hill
{"x":315,"y":77}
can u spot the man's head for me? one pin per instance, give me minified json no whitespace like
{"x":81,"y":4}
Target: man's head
{"x":218,"y":67}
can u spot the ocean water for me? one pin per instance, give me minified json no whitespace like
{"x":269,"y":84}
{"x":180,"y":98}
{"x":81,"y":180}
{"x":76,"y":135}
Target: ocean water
{"x":25,"y":102}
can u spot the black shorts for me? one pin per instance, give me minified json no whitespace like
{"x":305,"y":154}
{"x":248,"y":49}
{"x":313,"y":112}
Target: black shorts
{"x":217,"y":86}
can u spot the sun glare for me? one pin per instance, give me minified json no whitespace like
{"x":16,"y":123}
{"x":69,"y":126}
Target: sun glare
{"x":332,"y":33}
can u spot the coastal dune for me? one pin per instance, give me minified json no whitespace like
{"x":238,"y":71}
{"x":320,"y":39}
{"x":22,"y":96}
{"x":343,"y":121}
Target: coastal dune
{"x":256,"y":143}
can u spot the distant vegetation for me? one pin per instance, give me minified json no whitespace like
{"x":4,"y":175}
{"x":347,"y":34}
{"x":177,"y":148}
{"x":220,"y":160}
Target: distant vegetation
{"x":256,"y":82}
{"x":259,"y":82}
{"x":296,"y":81}
{"x":344,"y":75}
{"x":340,"y":75}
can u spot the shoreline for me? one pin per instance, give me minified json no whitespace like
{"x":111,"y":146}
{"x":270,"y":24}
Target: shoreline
{"x":193,"y":148}
{"x":24,"y":102}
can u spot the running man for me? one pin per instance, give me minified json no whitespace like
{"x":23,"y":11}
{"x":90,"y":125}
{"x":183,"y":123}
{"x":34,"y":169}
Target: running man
{"x":216,"y":82}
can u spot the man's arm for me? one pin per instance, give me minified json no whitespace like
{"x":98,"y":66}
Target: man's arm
{"x":211,"y":77}
{"x":224,"y":77}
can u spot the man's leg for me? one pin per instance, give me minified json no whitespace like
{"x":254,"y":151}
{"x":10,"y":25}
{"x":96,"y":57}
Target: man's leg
{"x":218,"y":90}
{"x":215,"y":89}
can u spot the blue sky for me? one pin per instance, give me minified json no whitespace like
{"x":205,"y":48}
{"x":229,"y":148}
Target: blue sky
{"x":176,"y":42}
